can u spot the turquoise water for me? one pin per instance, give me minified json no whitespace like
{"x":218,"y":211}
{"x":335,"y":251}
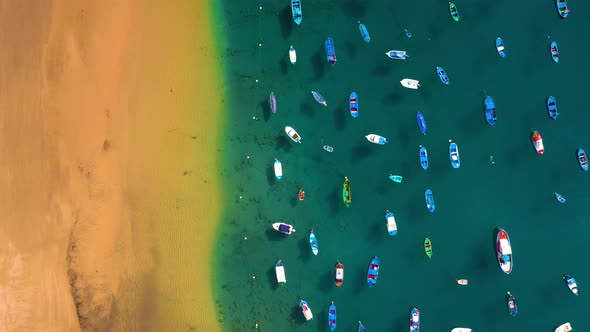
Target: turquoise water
{"x":514,"y":192}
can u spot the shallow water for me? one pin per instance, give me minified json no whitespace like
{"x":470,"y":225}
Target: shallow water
{"x":502,"y":182}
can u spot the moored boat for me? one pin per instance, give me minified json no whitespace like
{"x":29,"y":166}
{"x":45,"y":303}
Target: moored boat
{"x":490,"y":110}
{"x":374,"y":138}
{"x":421,"y":121}
{"x":319,"y":98}
{"x":373,"y":271}
{"x":292,"y":134}
{"x":296,"y":11}
{"x":283,"y":228}
{"x":313,"y":242}
{"x":552,"y":108}
{"x":410,"y":83}
{"x":332,"y":316}
{"x":565,"y":327}
{"x":301,"y":194}
{"x":415,"y":319}
{"x":292,"y":55}
{"x":280,"y":272}
{"x":395,"y":54}
{"x":361,"y":327}
{"x":538,"y":142}
{"x":582,"y":159}
{"x":278,"y":169}
{"x":560,"y":198}
{"x":338,"y":274}
{"x":462,"y":282}
{"x":364,"y":32}
{"x":554,"y":52}
{"x":272,"y":102}
{"x":346,"y":192}
{"x":330,"y":51}
{"x":329,"y":148}
{"x":500,"y":47}
{"x":454,"y":12}
{"x":353,"y":105}
{"x":571,"y":284}
{"x":511,"y":302}
{"x":423,"y":157}
{"x":562,"y":8}
{"x":504,"y":251}
{"x":396,"y":178}
{"x":429,"y":197}
{"x":306,"y":310}
{"x":442,"y":75}
{"x":461,"y":329}
{"x":428,"y":247}
{"x":454,"y":155}
{"x":390,"y":222}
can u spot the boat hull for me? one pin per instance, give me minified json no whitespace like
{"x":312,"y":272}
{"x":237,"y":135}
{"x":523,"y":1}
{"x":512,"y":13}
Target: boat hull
{"x":428,"y":247}
{"x":353,"y":105}
{"x":364,"y":33}
{"x":500,"y":47}
{"x":454,"y":12}
{"x":552,"y":107}
{"x":490,"y":110}
{"x":296,"y":11}
{"x":423,"y":157}
{"x":504,"y":251}
{"x":414,"y":320}
{"x":511,"y":303}
{"x":306,"y":310}
{"x":332,"y":316}
{"x":330,"y":51}
{"x":442,"y":75}
{"x":391,"y":224}
{"x":560,"y":198}
{"x":283,"y":228}
{"x":313,"y":243}
{"x":338,"y":274}
{"x":429,"y":197}
{"x":346,"y":192}
{"x":395,"y":54}
{"x":582,"y":159}
{"x":292,"y":55}
{"x":565,"y":327}
{"x":272,"y":102}
{"x":373,"y":271}
{"x":410,"y":83}
{"x":319,"y":98}
{"x":554,"y":52}
{"x":280,"y":272}
{"x":562,"y":8}
{"x":278,"y":169}
{"x":421,"y":121}
{"x":571,"y":284}
{"x":538,"y":142}
{"x":293,"y":135}
{"x":376,"y":139}
{"x":454,"y":155}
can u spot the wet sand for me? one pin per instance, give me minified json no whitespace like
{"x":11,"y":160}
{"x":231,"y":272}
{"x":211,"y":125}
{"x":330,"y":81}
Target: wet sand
{"x":108,"y":206}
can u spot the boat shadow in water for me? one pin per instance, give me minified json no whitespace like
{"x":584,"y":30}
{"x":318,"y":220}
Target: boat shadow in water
{"x":381,"y":70}
{"x":270,"y":176}
{"x":310,"y":110}
{"x":393,"y":98}
{"x":283,"y":143}
{"x":318,"y":63}
{"x":304,"y":249}
{"x":326,"y":282}
{"x":297,"y":318}
{"x":284,"y":65}
{"x":273,"y":235}
{"x":334,"y":199}
{"x":354,"y":9}
{"x":340,"y":117}
{"x":265,"y":110}
{"x":351,"y":49}
{"x":286,"y":22}
{"x":272,"y":278}
{"x":360,"y":152}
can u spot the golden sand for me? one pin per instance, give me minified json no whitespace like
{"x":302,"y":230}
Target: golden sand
{"x":109,"y":198}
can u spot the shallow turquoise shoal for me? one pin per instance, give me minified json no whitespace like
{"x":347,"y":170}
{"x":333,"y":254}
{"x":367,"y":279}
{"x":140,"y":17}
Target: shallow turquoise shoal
{"x":502,"y":182}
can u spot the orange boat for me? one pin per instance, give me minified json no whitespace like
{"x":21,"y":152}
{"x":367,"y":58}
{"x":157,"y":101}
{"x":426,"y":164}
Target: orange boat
{"x":301,"y":194}
{"x":338,"y":274}
{"x":538,"y":142}
{"x":462,"y":282}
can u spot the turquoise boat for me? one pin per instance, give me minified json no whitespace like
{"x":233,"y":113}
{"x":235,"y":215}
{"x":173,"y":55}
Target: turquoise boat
{"x":423,"y":157}
{"x":296,"y":11}
{"x":364,"y":32}
{"x":454,"y":155}
{"x":429,"y":197}
{"x":313,"y":242}
{"x":332,"y":316}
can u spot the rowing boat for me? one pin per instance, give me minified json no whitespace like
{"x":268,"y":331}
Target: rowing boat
{"x":511,"y":302}
{"x":396,"y":178}
{"x":552,"y":108}
{"x":582,"y":159}
{"x":454,"y":155}
{"x":410,"y":83}
{"x":364,"y":32}
{"x":538,"y":142}
{"x":490,"y":110}
{"x":454,"y":12}
{"x":330,"y":51}
{"x":346,"y":192}
{"x":374,"y":138}
{"x":301,"y":194}
{"x":500,"y":47}
{"x":373,"y":271}
{"x":562,"y":8}
{"x":293,"y":135}
{"x":319,"y":98}
{"x":395,"y":54}
{"x":296,"y":11}
{"x":280,"y":272}
{"x":329,"y":148}
{"x":332,"y":316}
{"x":313,"y":242}
{"x":390,"y":222}
{"x":560,"y":198}
{"x":306,"y":310}
{"x":504,"y":251}
{"x":554,"y":52}
{"x":428,"y":247}
{"x":292,"y":55}
{"x":272,"y":102}
{"x":442,"y":75}
{"x":353,"y":105}
{"x":338,"y":274}
{"x":421,"y":122}
{"x":278,"y":169}
{"x":429,"y":197}
{"x":423,"y":157}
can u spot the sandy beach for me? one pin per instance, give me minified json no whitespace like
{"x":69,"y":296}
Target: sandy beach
{"x":108,"y":209}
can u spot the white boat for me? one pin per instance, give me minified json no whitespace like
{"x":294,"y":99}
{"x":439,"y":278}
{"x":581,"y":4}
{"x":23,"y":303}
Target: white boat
{"x":395,"y":54}
{"x":565,"y":327}
{"x":391,"y":225}
{"x":278,"y":169}
{"x":461,"y":329}
{"x":293,"y":134}
{"x":328,"y":148}
{"x":283,"y":228}
{"x":292,"y":55}
{"x":280,"y":272}
{"x":410,"y":83}
{"x":306,"y":310}
{"x":462,"y":282}
{"x":374,"y":138}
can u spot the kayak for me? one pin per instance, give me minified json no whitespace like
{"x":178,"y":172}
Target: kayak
{"x":554,"y":52}
{"x":421,"y":122}
{"x":283,"y":228}
{"x":364,"y":32}
{"x":504,"y":251}
{"x":353,"y":104}
{"x":272,"y":101}
{"x":395,"y":54}
{"x":500,"y":47}
{"x":280,"y":272}
{"x":278,"y":169}
{"x":582,"y":159}
{"x":301,"y":195}
{"x":429,"y":197}
{"x":538,"y":142}
{"x":318,"y":97}
{"x":410,"y":83}
{"x":361,"y":327}
{"x":490,"y":110}
{"x":332,"y":316}
{"x":552,"y":108}
{"x":511,"y":302}
{"x":373,"y":271}
{"x":560,"y":198}
{"x":313,"y":242}
{"x":330,"y":51}
{"x":454,"y":155}
{"x":292,"y":134}
{"x":390,"y":222}
{"x":442,"y":75}
{"x":306,"y":310}
{"x":396,"y":178}
{"x":571,"y":284}
{"x":454,"y":12}
{"x":338,"y":274}
{"x":415,"y":320}
{"x":292,"y":55}
{"x":374,"y":138}
{"x":428,"y":247}
{"x":423,"y":157}
{"x":346,"y":192}
{"x":562,"y":8}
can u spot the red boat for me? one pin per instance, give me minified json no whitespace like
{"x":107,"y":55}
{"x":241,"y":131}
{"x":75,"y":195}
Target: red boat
{"x":338,"y":274}
{"x":538,"y":142}
{"x":301,"y":194}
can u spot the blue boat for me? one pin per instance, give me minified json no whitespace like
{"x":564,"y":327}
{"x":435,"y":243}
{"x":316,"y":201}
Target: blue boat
{"x":429,"y":200}
{"x":490,"y":110}
{"x":364,"y":32}
{"x":421,"y":122}
{"x":552,"y":108}
{"x":361,"y":327}
{"x":582,"y":159}
{"x":353,"y":105}
{"x":511,"y":302}
{"x":373,"y":271}
{"x":562,"y":8}
{"x":560,"y":198}
{"x":500,"y":47}
{"x":442,"y":75}
{"x":571,"y":284}
{"x":454,"y":155}
{"x":554,"y":52}
{"x":415,"y":320}
{"x":330,"y":51}
{"x":332,"y":317}
{"x":296,"y":11}
{"x":423,"y":157}
{"x":313,"y":242}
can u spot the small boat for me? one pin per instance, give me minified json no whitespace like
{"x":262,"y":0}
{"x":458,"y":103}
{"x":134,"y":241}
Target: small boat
{"x":283,"y":228}
{"x":278,"y":169}
{"x":565,"y":327}
{"x":421,"y":122}
{"x":361,"y":327}
{"x":500,"y":47}
{"x":338,"y":274}
{"x":292,"y":134}
{"x":330,"y":51}
{"x":296,"y":11}
{"x":318,"y":97}
{"x":423,"y":157}
{"x":328,"y":148}
{"x":306,"y":310}
{"x":313,"y":243}
{"x":454,"y":12}
{"x":442,"y":75}
{"x":272,"y":101}
{"x":490,"y":110}
{"x":280,"y":272}
{"x":395,"y":54}
{"x":301,"y":195}
{"x":461,"y":329}
{"x":353,"y":105}
{"x":346,"y":192}
{"x":373,"y":271}
{"x":504,"y":251}
{"x":410,"y":83}
{"x":560,"y":198}
{"x":454,"y":155}
{"x":332,"y":316}
{"x":428,"y":247}
{"x":538,"y":142}
{"x":415,"y":319}
{"x":462,"y":282}
{"x":552,"y":108}
{"x":582,"y":159}
{"x":364,"y":32}
{"x":571,"y":284}
{"x":396,"y":178}
{"x":292,"y":55}
{"x":562,"y":8}
{"x":554,"y":52}
{"x":374,"y":138}
{"x":390,"y":222}
{"x":429,"y":197}
{"x":511,"y":302}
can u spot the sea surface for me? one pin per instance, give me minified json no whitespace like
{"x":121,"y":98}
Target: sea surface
{"x":502,"y":182}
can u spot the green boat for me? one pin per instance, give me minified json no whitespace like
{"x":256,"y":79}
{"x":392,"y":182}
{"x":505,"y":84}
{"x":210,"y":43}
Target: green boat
{"x":346,"y":193}
{"x":454,"y":11}
{"x":428,"y":247}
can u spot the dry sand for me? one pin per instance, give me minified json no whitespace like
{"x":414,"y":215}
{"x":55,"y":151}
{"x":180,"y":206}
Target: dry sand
{"x":108,"y":209}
